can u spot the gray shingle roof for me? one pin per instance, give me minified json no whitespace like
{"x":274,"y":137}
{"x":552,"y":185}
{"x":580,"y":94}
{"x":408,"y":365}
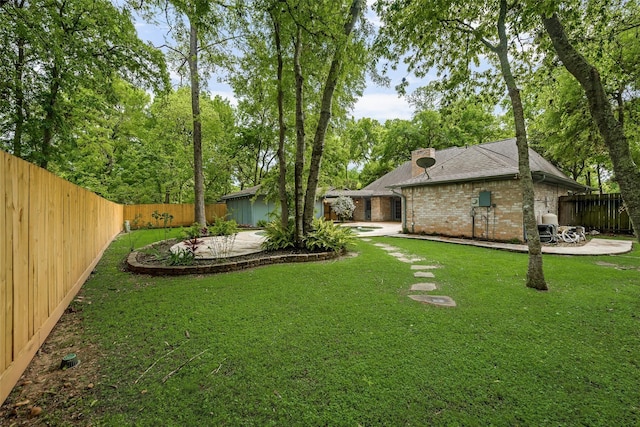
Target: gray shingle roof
{"x":247,"y":192}
{"x":493,"y":160}
{"x":380,"y":187}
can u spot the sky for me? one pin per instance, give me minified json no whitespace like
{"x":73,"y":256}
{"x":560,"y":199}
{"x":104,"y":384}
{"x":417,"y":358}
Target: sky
{"x":380,"y":103}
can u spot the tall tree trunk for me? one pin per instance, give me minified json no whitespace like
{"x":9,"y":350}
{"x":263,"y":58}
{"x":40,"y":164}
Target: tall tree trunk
{"x":325,"y":116}
{"x":50,"y":118}
{"x":600,"y":189}
{"x":535,"y":273}
{"x":198,"y":176}
{"x":19,"y":94}
{"x":282,"y":130}
{"x":300,"y":143}
{"x":625,"y":170}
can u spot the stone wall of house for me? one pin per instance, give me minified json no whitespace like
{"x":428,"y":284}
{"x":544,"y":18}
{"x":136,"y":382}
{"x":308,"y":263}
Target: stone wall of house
{"x":447,"y":209}
{"x":380,"y":209}
{"x":358,"y":213}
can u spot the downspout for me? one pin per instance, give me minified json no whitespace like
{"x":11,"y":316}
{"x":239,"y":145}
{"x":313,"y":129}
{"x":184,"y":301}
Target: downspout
{"x":404,"y":208}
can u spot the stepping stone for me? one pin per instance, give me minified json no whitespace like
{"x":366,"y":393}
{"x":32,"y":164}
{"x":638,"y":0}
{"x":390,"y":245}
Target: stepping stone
{"x":423,"y":274}
{"x":365,"y":239}
{"x":439,"y":300}
{"x":385,"y":247}
{"x":424,"y":287}
{"x":410,"y":260}
{"x":423,"y":267}
{"x":397,"y":254}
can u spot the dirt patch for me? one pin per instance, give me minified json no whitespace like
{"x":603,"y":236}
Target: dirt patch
{"x":48,"y":395}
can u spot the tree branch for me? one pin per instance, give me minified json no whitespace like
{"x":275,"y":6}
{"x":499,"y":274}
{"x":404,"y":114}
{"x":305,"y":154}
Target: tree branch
{"x":466,"y":28}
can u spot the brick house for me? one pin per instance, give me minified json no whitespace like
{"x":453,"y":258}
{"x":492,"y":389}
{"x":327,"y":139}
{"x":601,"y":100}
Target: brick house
{"x":376,"y":202}
{"x":470,"y":192}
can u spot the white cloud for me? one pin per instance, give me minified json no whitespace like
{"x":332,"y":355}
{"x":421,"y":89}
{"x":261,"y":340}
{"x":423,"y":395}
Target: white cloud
{"x":382,"y":107}
{"x":225,"y":95}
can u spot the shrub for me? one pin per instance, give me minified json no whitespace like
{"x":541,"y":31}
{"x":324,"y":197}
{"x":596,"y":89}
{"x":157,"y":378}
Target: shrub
{"x":221,"y":227}
{"x":326,"y":236}
{"x":262,"y":223}
{"x":344,"y":207}
{"x":195,"y":231}
{"x":278,"y":237}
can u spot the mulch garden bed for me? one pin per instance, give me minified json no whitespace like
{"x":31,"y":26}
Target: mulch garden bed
{"x":152,"y":260}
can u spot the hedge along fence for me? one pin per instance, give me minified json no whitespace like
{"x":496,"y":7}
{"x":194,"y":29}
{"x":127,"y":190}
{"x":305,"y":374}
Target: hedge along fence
{"x":183,"y":214}
{"x":53,"y":233}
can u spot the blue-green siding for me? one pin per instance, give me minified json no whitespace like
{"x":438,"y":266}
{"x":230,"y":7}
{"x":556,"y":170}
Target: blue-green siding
{"x":248,"y":211}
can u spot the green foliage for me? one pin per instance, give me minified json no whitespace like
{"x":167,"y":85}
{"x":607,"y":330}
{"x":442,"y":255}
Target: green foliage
{"x":60,"y":60}
{"x":221,"y":227}
{"x":262,"y":223}
{"x":195,"y":231}
{"x":328,"y":237}
{"x":277,"y":237}
{"x":181,"y":257}
{"x":343,"y":206}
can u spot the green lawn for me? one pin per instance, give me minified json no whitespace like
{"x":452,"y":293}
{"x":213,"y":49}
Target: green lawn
{"x":340,"y":343}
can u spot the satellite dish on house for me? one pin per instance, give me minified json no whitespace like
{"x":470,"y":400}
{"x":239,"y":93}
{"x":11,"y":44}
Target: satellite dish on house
{"x":425,"y":163}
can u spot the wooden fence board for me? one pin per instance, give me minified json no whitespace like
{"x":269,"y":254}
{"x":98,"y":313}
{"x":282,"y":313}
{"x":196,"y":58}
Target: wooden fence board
{"x":6,"y":261}
{"x":21,"y":309}
{"x":52,"y":234}
{"x":183,"y":214}
{"x":602,"y":212}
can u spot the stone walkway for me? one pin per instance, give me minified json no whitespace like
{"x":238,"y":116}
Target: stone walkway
{"x":419,"y":273}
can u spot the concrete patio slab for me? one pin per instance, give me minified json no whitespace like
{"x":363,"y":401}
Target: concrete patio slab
{"x":246,"y":242}
{"x":595,"y":246}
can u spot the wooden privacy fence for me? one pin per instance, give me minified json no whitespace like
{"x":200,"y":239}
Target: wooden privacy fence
{"x":602,"y":212}
{"x":53,"y":233}
{"x":183,"y":214}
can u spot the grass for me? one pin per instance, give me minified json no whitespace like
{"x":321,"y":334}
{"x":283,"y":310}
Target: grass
{"x":339,"y":343}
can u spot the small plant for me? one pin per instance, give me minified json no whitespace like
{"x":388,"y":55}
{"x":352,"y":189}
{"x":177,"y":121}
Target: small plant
{"x":156,"y":216}
{"x":182,"y":257}
{"x":135,"y":224}
{"x":262,"y":223}
{"x":344,"y":207}
{"x":277,"y":237}
{"x":195,"y":231}
{"x":326,"y":236}
{"x":166,"y":218}
{"x":129,"y":226}
{"x":223,"y":237}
